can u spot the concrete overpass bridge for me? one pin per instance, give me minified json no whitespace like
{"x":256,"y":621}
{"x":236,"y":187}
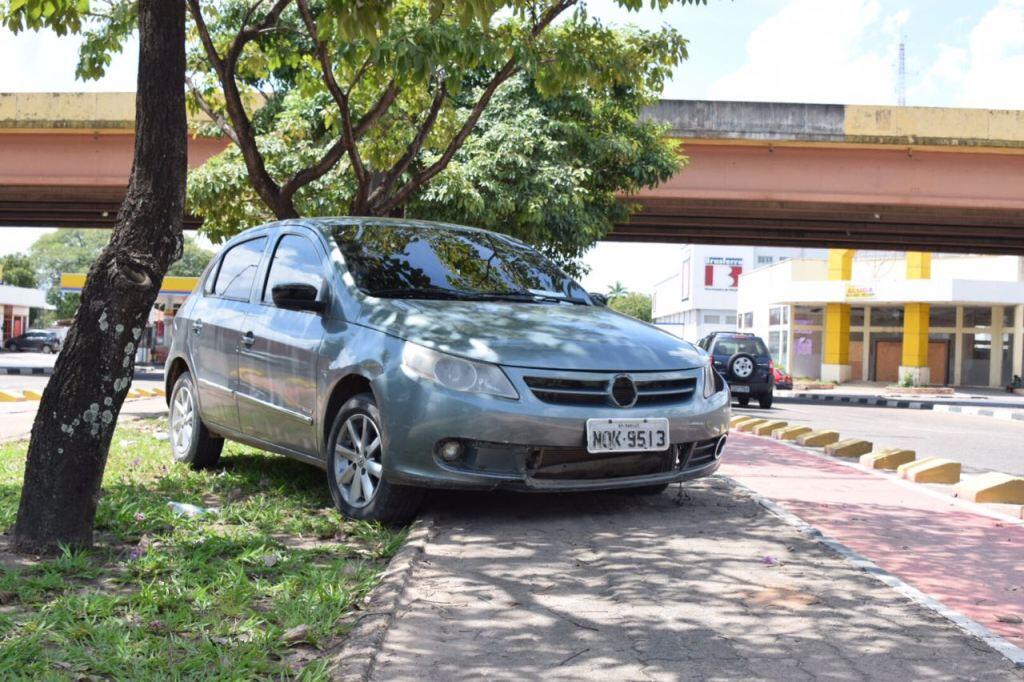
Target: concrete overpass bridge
{"x":895,"y":178}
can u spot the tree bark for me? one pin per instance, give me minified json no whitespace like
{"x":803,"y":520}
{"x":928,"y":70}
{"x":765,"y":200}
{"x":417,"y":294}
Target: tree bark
{"x":71,"y":434}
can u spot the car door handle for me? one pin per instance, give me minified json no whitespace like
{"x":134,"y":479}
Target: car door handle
{"x":197,"y":326}
{"x":248,"y":339}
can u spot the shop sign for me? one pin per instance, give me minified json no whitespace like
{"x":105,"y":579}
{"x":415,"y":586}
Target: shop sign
{"x":855,"y":292}
{"x":722,"y":274}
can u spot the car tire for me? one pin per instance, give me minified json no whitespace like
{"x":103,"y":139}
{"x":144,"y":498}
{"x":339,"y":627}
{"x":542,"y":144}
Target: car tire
{"x":742,"y":367}
{"x":191,"y":442}
{"x":646,"y":489}
{"x":13,"y":348}
{"x":355,"y":458}
{"x":765,"y":401}
{"x":47,"y":350}
{"x":743,"y":400}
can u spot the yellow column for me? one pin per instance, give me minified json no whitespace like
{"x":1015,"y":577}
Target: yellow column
{"x":835,"y":361}
{"x":915,"y":325}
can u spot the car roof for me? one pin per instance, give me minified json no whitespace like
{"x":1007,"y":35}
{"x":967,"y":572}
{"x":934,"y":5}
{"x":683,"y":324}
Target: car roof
{"x":326,"y":224}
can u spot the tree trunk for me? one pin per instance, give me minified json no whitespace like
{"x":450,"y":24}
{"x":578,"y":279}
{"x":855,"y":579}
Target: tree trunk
{"x":79,"y":409}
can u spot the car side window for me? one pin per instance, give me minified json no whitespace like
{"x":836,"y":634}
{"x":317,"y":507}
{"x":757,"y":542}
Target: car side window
{"x":296,"y":260}
{"x":238,"y":269}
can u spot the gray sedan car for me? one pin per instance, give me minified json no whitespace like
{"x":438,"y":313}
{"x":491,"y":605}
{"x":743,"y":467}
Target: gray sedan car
{"x":401,"y":355}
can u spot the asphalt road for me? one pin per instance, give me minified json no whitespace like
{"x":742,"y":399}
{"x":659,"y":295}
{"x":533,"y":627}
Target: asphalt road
{"x":978,"y":443}
{"x":707,"y":586}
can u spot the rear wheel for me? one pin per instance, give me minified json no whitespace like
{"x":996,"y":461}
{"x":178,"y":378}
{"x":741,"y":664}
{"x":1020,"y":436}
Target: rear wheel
{"x":13,"y":347}
{"x":47,"y":350}
{"x":191,"y":442}
{"x":355,"y":467}
{"x":743,"y":400}
{"x":765,"y":401}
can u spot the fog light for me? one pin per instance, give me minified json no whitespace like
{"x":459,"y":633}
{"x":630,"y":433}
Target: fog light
{"x":451,"y":450}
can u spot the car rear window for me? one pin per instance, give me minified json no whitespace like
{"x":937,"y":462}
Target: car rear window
{"x":730,"y":345}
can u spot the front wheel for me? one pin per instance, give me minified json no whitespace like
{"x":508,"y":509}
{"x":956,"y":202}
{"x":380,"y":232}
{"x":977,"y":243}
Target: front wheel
{"x":47,"y":350}
{"x":191,"y":442}
{"x":743,"y":400}
{"x":355,"y":467}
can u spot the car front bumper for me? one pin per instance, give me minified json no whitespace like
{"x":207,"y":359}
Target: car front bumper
{"x":531,"y":445}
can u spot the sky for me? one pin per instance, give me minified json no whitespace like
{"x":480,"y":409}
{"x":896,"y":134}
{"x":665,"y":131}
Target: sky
{"x":958,"y":54}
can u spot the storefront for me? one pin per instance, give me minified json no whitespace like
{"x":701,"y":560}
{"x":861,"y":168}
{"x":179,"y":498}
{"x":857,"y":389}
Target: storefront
{"x":15,"y":305}
{"x":876,"y":318}
{"x":157,"y":336}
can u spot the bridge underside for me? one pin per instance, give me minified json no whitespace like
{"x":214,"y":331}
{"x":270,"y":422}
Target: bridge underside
{"x":813,"y":224}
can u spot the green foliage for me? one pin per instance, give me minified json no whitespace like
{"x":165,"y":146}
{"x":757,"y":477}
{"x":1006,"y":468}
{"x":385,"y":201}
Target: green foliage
{"x":16,"y":271}
{"x":169,"y":597}
{"x":615,"y":290}
{"x":633,"y":304}
{"x":60,"y":16}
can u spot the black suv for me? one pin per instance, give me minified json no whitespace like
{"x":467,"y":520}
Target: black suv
{"x":744,"y":361}
{"x":37,"y":340}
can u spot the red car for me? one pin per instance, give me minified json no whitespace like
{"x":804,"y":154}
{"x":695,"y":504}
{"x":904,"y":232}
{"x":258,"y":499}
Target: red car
{"x":783,"y":380}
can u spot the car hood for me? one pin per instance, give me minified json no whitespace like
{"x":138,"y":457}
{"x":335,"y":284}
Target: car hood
{"x":539,"y":335}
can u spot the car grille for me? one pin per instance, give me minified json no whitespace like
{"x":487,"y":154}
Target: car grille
{"x":578,"y":464}
{"x":703,"y":453}
{"x":660,"y":390}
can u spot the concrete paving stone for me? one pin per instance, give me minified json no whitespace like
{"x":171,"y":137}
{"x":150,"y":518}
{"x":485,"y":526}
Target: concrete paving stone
{"x":887,"y":458}
{"x":664,"y":587}
{"x":992,"y":487}
{"x":791,"y":432}
{"x":851,"y":447}
{"x":818,"y":439}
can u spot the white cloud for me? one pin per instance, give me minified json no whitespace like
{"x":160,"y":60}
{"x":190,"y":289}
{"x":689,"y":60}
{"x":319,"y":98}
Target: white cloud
{"x":990,"y":72}
{"x":45,"y":62}
{"x":813,"y":51}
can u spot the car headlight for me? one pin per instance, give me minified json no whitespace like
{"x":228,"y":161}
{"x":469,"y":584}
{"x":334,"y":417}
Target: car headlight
{"x":457,"y":373}
{"x":713,"y":383}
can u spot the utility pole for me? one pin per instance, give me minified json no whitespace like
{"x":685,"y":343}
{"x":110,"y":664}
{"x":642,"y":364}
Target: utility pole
{"x":901,"y":83}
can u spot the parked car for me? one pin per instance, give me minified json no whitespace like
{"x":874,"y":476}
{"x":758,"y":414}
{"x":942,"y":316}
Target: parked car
{"x":40,"y":340}
{"x":403,"y":355}
{"x":746,"y":364}
{"x":782,"y":380}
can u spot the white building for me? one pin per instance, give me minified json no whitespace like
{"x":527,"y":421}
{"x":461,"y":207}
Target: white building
{"x":973,"y":316}
{"x":701,"y":296}
{"x":15,"y":303}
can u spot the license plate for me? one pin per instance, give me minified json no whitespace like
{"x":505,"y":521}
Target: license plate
{"x":740,"y":389}
{"x":627,"y":435}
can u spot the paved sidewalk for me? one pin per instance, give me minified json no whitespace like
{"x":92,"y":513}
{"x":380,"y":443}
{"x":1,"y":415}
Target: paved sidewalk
{"x":972,"y":563}
{"x":627,"y":587}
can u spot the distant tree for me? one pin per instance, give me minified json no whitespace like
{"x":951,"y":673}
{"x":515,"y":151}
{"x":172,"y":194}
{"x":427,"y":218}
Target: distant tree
{"x":633,"y":304}
{"x":615,"y":290}
{"x":16,"y":271}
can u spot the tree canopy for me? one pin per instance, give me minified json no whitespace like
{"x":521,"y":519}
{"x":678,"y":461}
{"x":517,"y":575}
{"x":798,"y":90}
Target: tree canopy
{"x":633,"y":304}
{"x":16,"y":270}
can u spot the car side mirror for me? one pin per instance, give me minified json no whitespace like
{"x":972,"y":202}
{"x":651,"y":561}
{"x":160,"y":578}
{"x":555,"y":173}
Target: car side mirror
{"x":298,"y":296}
{"x":599,"y":299}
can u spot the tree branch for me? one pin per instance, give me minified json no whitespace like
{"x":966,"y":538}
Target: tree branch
{"x":205,"y":107}
{"x":245,"y":134}
{"x":456,"y":143}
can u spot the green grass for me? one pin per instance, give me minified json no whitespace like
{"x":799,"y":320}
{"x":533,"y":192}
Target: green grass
{"x":168,"y":597}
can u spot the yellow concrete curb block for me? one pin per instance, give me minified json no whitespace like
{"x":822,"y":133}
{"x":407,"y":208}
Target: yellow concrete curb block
{"x":159,"y":391}
{"x":818,"y":439}
{"x":851,"y":447}
{"x":889,"y":458}
{"x":738,"y":419}
{"x":790,"y":432}
{"x":132,"y":394}
{"x":11,"y":397}
{"x":992,"y":487}
{"x":32,"y":395}
{"x":769,"y":426}
{"x":931,"y":470}
{"x":749,"y":425}
{"x":146,"y":392}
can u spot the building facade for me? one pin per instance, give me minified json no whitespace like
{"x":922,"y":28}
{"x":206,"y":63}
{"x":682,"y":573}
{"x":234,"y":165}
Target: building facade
{"x":15,"y":303}
{"x":908,"y":318}
{"x":701,"y":296}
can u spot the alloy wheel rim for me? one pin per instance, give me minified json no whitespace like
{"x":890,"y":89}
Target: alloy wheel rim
{"x":743,"y":367}
{"x":357,"y":460}
{"x":183,"y":418}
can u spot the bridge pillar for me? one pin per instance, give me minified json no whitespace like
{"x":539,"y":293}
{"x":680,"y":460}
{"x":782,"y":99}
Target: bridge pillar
{"x":915,"y":325}
{"x":835,"y":365}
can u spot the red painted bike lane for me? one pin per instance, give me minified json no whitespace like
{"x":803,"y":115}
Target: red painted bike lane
{"x":970,"y":562}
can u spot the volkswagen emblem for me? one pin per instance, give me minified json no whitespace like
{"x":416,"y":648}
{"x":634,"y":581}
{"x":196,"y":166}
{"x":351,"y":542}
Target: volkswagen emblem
{"x":623,"y":391}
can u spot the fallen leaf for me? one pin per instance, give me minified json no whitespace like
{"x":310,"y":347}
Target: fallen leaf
{"x":270,"y":560}
{"x":1010,"y":618}
{"x":296,"y":634}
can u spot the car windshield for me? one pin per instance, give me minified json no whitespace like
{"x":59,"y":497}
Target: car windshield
{"x":730,"y":345}
{"x":407,"y":261}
